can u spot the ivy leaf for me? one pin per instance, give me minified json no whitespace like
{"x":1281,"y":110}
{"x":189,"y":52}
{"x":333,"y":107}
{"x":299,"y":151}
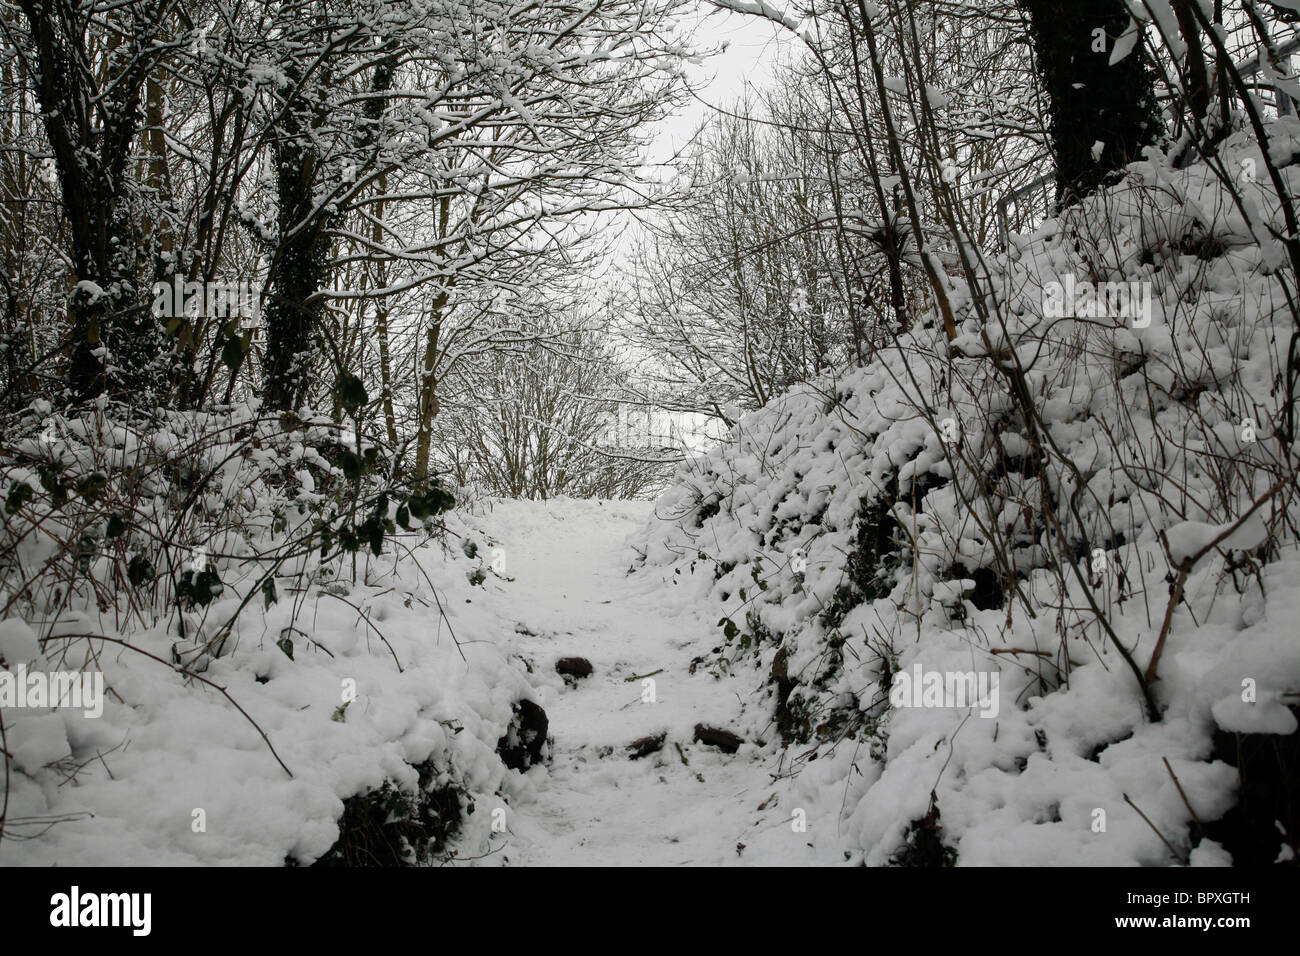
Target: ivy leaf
{"x":352,"y":392}
{"x":433,"y":500}
{"x":442,"y":499}
{"x":20,"y":492}
{"x":85,"y":552}
{"x":139,"y":571}
{"x":348,"y":540}
{"x":373,"y":529}
{"x":52,"y":481}
{"x":232,"y":353}
{"x":351,"y":464}
{"x":201,"y":588}
{"x":91,"y":486}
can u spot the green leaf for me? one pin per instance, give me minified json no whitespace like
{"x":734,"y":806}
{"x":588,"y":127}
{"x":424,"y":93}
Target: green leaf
{"x":269,"y":594}
{"x":429,"y":501}
{"x":351,"y":464}
{"x":373,"y":530}
{"x":348,"y":540}
{"x":404,"y":517}
{"x":440,"y":499}
{"x":91,"y":486}
{"x":285,"y":645}
{"x":85,"y":553}
{"x":199,"y":589}
{"x":52,"y":481}
{"x":116,"y":526}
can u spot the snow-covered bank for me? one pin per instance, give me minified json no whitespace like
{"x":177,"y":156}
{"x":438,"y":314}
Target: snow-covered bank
{"x":1089,"y":510}
{"x":172,"y":773}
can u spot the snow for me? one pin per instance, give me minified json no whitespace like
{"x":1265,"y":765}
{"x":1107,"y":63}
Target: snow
{"x":1190,"y":538}
{"x":1266,"y":716}
{"x":18,"y":642}
{"x":166,"y":748}
{"x":572,"y":596}
{"x":171,"y":749}
{"x":1072,"y":742}
{"x":797,"y":585}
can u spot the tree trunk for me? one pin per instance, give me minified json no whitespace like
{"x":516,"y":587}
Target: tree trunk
{"x":301,"y":270}
{"x":1091,"y":101}
{"x":429,"y":407}
{"x":105,"y":307}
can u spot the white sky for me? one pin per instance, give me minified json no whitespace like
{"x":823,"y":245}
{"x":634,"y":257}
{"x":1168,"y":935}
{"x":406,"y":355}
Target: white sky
{"x":753,"y":44}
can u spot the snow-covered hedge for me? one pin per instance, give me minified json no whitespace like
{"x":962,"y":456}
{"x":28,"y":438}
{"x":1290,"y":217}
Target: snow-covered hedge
{"x":1084,"y":505}
{"x":271,"y":614}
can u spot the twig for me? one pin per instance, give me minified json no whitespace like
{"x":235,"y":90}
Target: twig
{"x":362,"y":615}
{"x":1187,"y":803}
{"x":1176,"y":854}
{"x":637,"y":677}
{"x":188,"y":673}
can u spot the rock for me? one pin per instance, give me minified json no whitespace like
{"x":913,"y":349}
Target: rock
{"x":788,"y":722}
{"x":389,"y":826}
{"x":724,"y":740}
{"x":646,"y":746}
{"x":525,"y":740}
{"x":573,"y":669}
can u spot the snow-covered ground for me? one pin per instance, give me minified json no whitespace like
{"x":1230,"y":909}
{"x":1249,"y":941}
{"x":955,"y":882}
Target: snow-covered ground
{"x":174,"y":774}
{"x":1110,"y":543}
{"x":572,"y":595}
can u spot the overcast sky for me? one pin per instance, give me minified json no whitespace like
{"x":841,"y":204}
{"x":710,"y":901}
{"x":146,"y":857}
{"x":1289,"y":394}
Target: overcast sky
{"x":753,"y":47}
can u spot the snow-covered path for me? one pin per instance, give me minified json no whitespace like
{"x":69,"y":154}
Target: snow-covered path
{"x":571,"y":595}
